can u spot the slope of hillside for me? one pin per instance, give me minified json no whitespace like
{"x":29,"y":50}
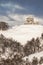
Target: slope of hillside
{"x":31,"y":56}
{"x":23,"y":33}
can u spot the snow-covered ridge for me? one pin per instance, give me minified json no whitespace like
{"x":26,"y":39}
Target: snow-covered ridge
{"x":23,"y":33}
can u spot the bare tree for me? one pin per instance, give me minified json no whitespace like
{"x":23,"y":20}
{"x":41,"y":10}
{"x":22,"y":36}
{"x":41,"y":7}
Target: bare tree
{"x":42,"y":35}
{"x":34,"y":61}
{"x":4,"y":26}
{"x":38,"y":43}
{"x":41,"y":60}
{"x":30,"y":47}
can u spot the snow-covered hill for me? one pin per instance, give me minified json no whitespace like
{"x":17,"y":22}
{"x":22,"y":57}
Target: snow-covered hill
{"x":31,"y":56}
{"x":23,"y":33}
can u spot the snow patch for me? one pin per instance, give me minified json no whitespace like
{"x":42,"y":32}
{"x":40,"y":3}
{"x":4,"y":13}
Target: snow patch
{"x":23,"y":33}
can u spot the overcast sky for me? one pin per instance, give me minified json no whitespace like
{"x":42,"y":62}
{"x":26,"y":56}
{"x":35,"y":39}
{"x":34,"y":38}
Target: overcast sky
{"x":15,"y":11}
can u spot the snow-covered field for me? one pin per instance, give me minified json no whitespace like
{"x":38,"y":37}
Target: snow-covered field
{"x":23,"y":33}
